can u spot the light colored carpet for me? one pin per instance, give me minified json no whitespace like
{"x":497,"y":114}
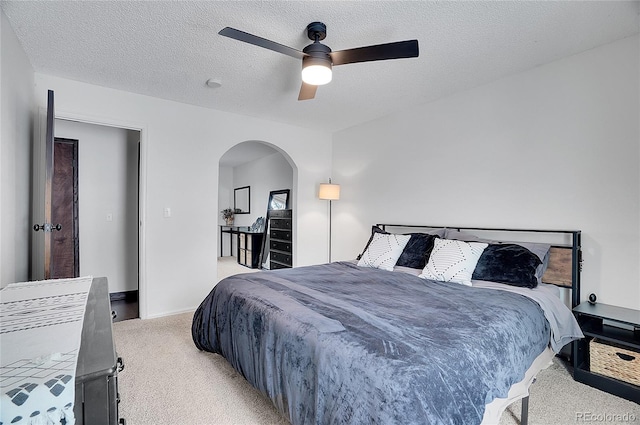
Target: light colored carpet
{"x":228,"y":266}
{"x":166,"y":380}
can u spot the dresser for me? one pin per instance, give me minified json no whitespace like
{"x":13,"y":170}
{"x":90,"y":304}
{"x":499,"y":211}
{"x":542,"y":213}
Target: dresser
{"x":98,"y":365}
{"x":58,"y":353}
{"x":249,"y":246}
{"x":280,"y":239}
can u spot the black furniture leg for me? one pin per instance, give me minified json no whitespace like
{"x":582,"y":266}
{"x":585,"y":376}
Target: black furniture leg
{"x":221,"y":253}
{"x":524,"y":415}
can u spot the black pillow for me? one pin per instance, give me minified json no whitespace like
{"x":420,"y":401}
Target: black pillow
{"x":415,"y":254}
{"x":508,"y":263}
{"x":417,"y":251}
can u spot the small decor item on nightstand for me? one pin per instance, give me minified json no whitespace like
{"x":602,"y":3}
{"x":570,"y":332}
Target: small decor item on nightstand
{"x":614,"y":361}
{"x":592,"y":299}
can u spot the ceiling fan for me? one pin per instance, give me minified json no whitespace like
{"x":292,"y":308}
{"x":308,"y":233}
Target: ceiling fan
{"x":317,"y":59}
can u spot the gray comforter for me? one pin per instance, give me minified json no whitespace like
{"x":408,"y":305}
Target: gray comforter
{"x":340,"y":344}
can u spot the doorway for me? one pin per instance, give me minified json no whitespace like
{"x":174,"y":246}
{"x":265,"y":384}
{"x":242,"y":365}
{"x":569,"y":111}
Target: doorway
{"x":135,"y":263}
{"x":108,"y":166}
{"x":261,"y":166}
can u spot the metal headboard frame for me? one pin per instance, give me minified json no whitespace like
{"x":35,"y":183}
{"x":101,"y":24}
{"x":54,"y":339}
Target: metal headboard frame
{"x":575,"y":246}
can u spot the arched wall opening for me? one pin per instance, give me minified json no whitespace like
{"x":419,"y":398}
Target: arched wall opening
{"x":263,"y":167}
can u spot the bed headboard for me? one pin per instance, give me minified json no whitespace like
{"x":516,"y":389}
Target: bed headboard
{"x":565,"y":255}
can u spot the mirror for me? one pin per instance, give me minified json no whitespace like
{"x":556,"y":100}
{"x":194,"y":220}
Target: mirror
{"x":278,"y":200}
{"x":242,"y":200}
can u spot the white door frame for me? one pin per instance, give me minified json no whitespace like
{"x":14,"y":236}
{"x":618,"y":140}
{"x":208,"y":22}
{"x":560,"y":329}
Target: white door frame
{"x":142,"y":191}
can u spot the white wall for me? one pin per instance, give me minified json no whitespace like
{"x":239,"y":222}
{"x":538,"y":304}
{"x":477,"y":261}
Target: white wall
{"x":225,"y":198}
{"x":107,"y":185}
{"x":16,"y":109}
{"x":181,"y":148}
{"x":556,"y":147}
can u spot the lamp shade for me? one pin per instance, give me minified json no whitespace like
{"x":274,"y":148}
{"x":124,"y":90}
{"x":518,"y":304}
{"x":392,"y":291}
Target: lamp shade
{"x":316,"y":70}
{"x":329,"y":191}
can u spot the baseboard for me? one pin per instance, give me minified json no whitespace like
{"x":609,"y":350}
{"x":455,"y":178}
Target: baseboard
{"x":171,"y":313}
{"x":127,"y":296}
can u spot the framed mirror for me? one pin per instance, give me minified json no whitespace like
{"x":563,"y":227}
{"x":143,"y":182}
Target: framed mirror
{"x":242,"y":200}
{"x":278,"y":200}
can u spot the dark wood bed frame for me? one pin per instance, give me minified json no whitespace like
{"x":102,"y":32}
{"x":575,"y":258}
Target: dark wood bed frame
{"x":563,"y":270}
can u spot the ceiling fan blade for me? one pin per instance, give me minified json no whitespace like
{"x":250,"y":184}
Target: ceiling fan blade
{"x":307,"y":91}
{"x":396,"y":50}
{"x":261,"y":42}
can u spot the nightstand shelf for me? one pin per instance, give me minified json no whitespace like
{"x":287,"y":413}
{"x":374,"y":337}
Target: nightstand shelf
{"x":249,"y":245}
{"x":594,"y":321}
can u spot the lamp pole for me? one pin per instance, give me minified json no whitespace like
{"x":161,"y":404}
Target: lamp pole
{"x":329,"y":192}
{"x":329,"y":227}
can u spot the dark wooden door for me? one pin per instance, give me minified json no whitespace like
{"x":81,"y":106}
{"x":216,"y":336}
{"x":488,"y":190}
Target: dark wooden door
{"x":64,"y":210}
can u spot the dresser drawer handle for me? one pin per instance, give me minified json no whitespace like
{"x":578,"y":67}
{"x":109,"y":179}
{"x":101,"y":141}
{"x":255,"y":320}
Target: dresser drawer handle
{"x":625,"y":357}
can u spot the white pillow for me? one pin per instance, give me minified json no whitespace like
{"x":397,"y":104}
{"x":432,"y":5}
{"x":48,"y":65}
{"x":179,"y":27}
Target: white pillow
{"x":453,"y":261}
{"x":383,"y":251}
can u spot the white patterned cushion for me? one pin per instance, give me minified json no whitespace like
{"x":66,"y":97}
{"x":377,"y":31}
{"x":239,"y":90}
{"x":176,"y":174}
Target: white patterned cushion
{"x":453,"y":261}
{"x":383,"y":251}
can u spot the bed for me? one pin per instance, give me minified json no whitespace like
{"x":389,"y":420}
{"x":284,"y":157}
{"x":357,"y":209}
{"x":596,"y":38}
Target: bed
{"x":417,"y":330}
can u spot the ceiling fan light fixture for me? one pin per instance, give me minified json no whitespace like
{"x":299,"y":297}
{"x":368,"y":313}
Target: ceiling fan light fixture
{"x":316,"y":71}
{"x":318,"y":59}
{"x":316,"y":75}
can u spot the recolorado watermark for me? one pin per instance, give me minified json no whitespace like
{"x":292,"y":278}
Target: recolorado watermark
{"x":612,"y":418}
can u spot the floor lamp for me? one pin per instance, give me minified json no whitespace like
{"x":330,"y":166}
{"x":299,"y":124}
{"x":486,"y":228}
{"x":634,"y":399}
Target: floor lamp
{"x":329,"y":192}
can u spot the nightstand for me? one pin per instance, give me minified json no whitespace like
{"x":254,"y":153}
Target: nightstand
{"x":613,"y":327}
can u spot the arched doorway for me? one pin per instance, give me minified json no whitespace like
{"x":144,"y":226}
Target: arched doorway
{"x":261,"y":167}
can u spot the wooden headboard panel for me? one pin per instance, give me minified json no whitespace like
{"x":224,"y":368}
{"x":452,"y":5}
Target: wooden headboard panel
{"x":565,"y":259}
{"x":559,"y":271}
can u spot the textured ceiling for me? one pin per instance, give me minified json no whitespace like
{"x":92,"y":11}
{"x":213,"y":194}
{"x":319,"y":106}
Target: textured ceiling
{"x":169,"y":49}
